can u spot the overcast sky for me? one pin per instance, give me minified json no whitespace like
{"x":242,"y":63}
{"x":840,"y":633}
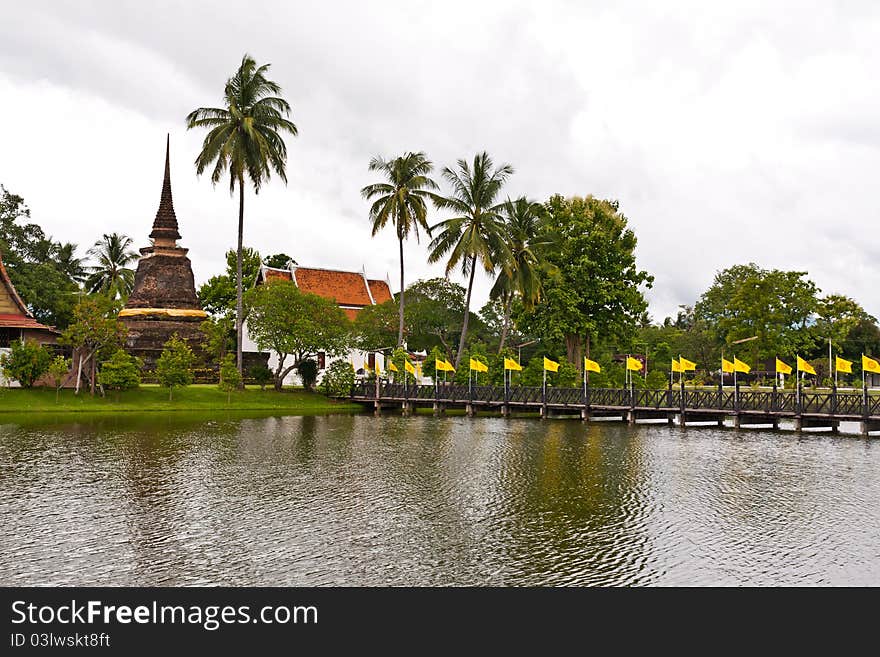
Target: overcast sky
{"x":734,"y":132}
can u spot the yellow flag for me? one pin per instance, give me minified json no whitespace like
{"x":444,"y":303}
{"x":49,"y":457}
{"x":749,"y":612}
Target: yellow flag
{"x":367,"y":367}
{"x":418,"y":369}
{"x":687,"y":365}
{"x":740,"y":366}
{"x":804,"y":366}
{"x":550,"y":365}
{"x":870,"y":365}
{"x":392,"y":366}
{"x":843,"y":365}
{"x":782,"y":367}
{"x":633,"y":364}
{"x":676,"y":366}
{"x":591,"y":365}
{"x":478,"y":366}
{"x":727,"y":367}
{"x":409,"y":367}
{"x":449,"y":367}
{"x":510,"y":364}
{"x":378,"y":369}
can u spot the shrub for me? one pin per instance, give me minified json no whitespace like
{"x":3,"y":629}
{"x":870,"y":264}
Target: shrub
{"x":308,"y":373}
{"x":121,"y":372}
{"x":230,"y":378}
{"x":174,"y":366}
{"x":338,"y":379}
{"x":58,"y":368}
{"x":26,"y":362}
{"x":261,"y":375}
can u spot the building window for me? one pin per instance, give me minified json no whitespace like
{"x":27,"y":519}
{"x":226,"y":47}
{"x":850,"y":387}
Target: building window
{"x":371,"y":361}
{"x":322,"y":360}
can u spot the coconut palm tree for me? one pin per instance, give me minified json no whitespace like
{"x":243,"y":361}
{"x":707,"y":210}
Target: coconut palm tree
{"x":475,"y":233}
{"x":244,"y":139}
{"x":402,"y":201}
{"x":73,"y":268}
{"x":111,"y":276}
{"x":520,"y":274}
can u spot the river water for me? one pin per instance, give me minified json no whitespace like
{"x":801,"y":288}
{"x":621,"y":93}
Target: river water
{"x":359,"y":500}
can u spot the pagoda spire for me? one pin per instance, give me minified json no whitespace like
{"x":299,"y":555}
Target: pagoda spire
{"x":165,"y":224}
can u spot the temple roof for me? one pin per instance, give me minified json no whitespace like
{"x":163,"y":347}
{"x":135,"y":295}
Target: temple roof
{"x":165,"y":223}
{"x":351,"y":290}
{"x":9,"y":289}
{"x":21,"y":317}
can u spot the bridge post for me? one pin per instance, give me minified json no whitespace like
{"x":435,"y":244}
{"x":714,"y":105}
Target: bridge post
{"x":439,"y":409}
{"x":774,"y":402}
{"x":469,"y":409}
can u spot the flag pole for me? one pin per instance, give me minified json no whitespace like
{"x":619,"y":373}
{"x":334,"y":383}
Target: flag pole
{"x":797,"y":380}
{"x":829,"y":364}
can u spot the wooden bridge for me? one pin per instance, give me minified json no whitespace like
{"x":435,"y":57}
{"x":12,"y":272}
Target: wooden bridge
{"x":746,"y":407}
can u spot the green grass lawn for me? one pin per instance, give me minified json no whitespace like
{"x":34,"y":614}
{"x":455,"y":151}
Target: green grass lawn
{"x":155,"y":398}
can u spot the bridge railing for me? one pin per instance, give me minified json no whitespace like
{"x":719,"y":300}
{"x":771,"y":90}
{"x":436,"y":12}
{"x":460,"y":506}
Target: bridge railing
{"x":778,"y":401}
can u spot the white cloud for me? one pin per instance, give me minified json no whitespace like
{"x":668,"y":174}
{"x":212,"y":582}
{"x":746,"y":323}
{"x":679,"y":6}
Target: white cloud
{"x":729,"y":134}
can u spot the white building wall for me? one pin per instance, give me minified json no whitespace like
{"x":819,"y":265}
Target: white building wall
{"x":357,"y":358}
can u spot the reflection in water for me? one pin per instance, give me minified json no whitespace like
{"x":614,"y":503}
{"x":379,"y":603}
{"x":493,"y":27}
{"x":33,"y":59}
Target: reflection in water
{"x":176,"y":500}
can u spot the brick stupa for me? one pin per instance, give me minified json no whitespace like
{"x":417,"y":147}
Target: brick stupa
{"x":163,"y":301}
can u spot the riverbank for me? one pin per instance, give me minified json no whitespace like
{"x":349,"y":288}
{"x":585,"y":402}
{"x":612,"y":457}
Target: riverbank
{"x":155,"y":398}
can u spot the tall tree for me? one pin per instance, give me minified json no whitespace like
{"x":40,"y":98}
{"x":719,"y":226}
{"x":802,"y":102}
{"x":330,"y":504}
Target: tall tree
{"x":475,"y":233}
{"x":775,"y":305}
{"x":111,"y":276}
{"x":73,"y":267}
{"x":520,"y":275}
{"x":401,"y":200}
{"x":594,"y":289}
{"x":244,"y":139}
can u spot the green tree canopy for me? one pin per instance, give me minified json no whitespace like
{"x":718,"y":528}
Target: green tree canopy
{"x":775,"y":305}
{"x":217,"y":294}
{"x":41,"y":270}
{"x":593,"y":287}
{"x":296,"y":324}
{"x":279,"y":261}
{"x":96,"y":331}
{"x":112,"y":275}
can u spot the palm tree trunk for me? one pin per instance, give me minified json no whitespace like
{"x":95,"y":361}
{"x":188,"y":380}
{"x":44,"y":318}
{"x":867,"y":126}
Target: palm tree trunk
{"x":467,"y":312}
{"x":238,"y":285}
{"x":400,"y":329}
{"x":506,"y":324}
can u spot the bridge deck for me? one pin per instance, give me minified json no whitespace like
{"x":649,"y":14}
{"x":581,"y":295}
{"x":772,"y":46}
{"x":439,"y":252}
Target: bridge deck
{"x":749,"y":405}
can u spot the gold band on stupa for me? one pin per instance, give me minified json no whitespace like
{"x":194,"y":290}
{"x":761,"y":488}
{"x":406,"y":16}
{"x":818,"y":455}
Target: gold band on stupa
{"x":169,"y":312}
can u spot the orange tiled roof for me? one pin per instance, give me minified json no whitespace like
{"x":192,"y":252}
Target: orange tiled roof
{"x":22,"y":321}
{"x":277,"y":273}
{"x":380,"y":290}
{"x":346,"y":287}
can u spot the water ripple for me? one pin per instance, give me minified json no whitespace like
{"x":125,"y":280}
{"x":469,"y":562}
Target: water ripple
{"x":358,"y":500}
